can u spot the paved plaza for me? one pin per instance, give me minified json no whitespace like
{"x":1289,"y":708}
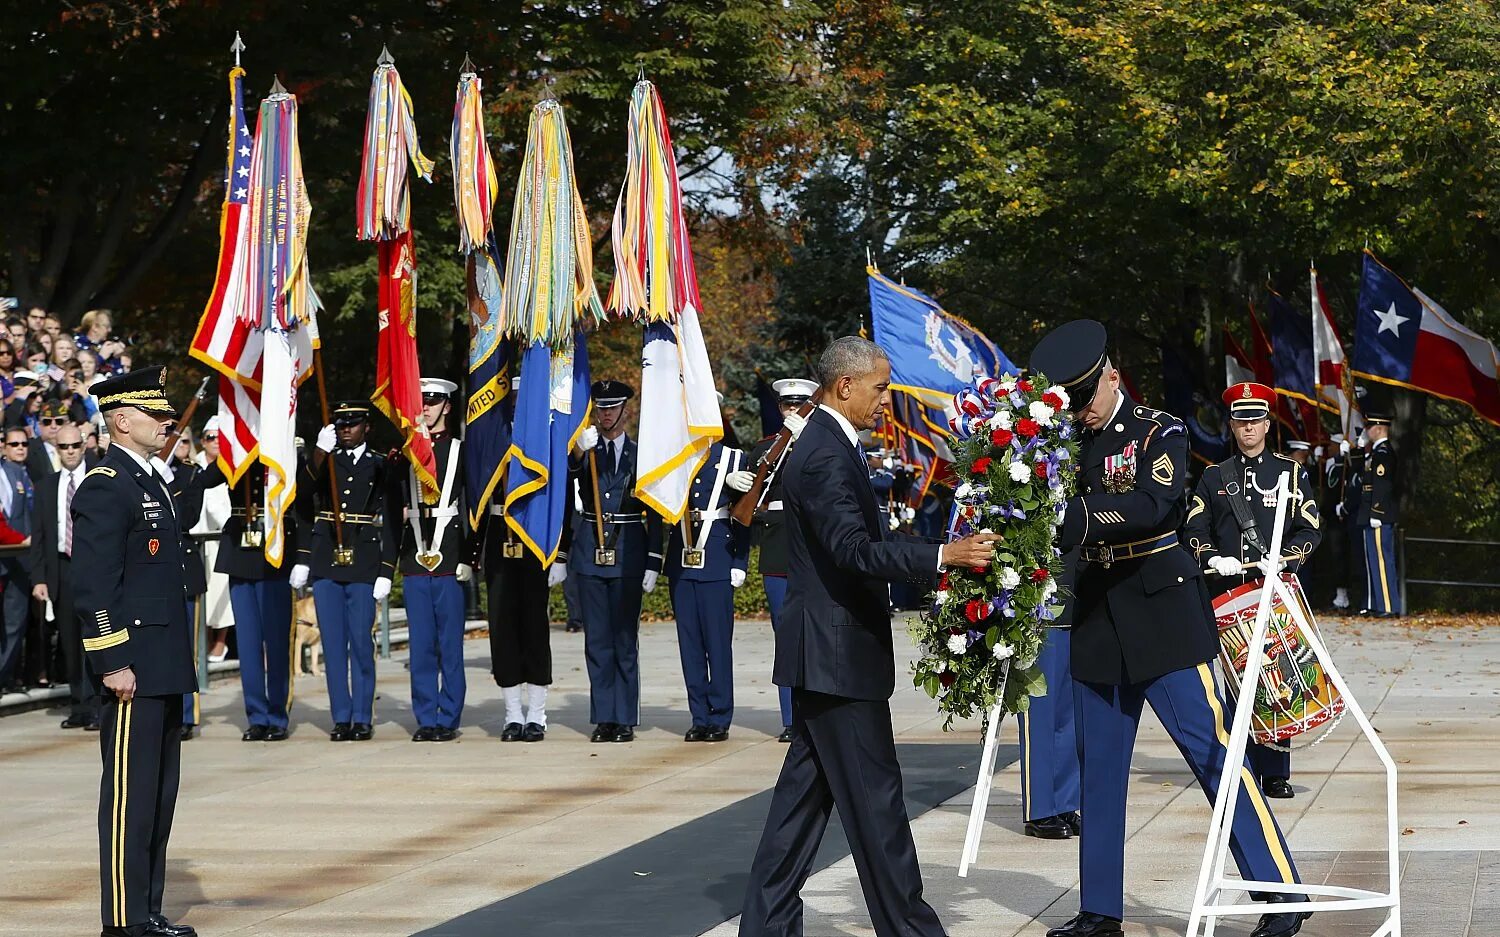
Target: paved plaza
{"x":308,"y":838}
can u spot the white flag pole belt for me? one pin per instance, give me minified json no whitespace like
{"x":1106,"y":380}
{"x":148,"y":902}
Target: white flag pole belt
{"x":445,"y":496}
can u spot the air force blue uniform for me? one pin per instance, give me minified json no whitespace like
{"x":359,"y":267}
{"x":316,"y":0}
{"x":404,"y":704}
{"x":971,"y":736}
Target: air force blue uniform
{"x":703,"y":597}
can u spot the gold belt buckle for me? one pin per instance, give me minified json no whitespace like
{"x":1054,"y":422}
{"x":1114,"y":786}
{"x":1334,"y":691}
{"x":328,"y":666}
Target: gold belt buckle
{"x":343,"y":556}
{"x":603,"y":557}
{"x":252,"y":538}
{"x":692,"y":559}
{"x":511,"y":550}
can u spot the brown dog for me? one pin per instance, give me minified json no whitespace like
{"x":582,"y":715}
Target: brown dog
{"x":305,"y":634}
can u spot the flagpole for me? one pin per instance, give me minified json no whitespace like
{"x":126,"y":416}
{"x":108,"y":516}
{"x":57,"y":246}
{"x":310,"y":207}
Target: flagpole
{"x":333,"y":470}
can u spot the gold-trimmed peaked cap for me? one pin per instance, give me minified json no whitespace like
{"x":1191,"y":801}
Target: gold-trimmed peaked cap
{"x":1073,"y":355}
{"x":144,"y":388}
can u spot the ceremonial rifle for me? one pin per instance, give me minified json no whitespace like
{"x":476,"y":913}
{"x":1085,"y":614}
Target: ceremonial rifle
{"x":744,"y":509}
{"x":184,"y":420}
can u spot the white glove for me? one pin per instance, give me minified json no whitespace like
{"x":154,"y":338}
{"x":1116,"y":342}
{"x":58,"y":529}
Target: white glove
{"x":740,"y":481}
{"x":557,"y":574}
{"x":649,"y":583}
{"x":1343,"y":447}
{"x":464,"y":572}
{"x":382,"y":589}
{"x":1226,"y":566}
{"x":1271,"y":565}
{"x":327,"y":438}
{"x":588,"y":439}
{"x":1338,"y":510}
{"x":298,"y":578}
{"x":795,"y":423}
{"x":736,"y":577}
{"x":1374,"y":523}
{"x":162,"y":468}
{"x":1318,"y":453}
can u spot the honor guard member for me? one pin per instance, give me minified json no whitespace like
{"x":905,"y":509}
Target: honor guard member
{"x":616,"y":555}
{"x":1341,"y":478}
{"x":130,"y":596}
{"x":183,"y":483}
{"x":260,"y":597}
{"x":1376,"y":519}
{"x":520,"y":636}
{"x":1050,"y":777}
{"x":769,"y":530}
{"x":1231,"y":522}
{"x":350,"y":564}
{"x":435,"y":556}
{"x":1143,"y":630}
{"x":707,"y":555}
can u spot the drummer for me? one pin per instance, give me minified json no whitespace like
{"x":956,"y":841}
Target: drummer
{"x":1231,"y":520}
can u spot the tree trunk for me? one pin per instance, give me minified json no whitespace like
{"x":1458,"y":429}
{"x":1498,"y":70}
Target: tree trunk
{"x":1408,"y":426}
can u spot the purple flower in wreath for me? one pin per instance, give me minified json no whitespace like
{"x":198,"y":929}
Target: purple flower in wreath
{"x":1065,"y":429}
{"x":1010,"y":512}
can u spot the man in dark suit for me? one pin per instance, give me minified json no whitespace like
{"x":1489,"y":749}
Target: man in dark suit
{"x":51,"y":564}
{"x":834,"y":650}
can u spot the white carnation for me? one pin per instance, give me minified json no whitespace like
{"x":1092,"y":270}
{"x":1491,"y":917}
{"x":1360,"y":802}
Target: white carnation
{"x":1002,"y":651}
{"x":1056,"y":494}
{"x":1018,"y":471}
{"x":940,"y":596}
{"x":1001,"y":420}
{"x":958,"y":643}
{"x":1007,"y":383}
{"x":1050,"y":588}
{"x":962,"y":491}
{"x":1009,"y":578}
{"x":1041,"y":412}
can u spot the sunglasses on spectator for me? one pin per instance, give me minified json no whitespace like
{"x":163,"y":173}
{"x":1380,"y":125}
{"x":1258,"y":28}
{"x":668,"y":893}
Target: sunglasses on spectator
{"x":54,"y":420}
{"x":16,"y":442}
{"x":6,"y":351}
{"x":70,"y":445}
{"x":210,"y":437}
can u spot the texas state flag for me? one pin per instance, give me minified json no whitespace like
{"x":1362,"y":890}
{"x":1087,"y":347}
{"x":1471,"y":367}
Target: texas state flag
{"x":1402,"y":337}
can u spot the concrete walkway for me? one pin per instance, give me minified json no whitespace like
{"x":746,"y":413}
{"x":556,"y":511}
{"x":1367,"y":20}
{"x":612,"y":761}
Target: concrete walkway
{"x":389,"y":837}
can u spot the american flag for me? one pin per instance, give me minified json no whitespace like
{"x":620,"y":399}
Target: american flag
{"x":223,"y":341}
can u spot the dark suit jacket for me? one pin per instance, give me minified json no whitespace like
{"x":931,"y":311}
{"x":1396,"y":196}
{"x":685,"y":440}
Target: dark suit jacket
{"x":836,"y":631}
{"x":44,"y":546}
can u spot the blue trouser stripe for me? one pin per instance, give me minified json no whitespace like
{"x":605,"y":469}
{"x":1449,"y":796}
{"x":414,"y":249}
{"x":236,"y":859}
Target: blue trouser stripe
{"x":1049,"y":741}
{"x":263,"y":632}
{"x":346,"y":617}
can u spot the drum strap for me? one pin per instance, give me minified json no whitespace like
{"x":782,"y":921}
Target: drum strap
{"x":1242,"y":514}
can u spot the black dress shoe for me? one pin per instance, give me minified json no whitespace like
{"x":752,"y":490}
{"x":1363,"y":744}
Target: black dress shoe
{"x":340,"y":732}
{"x":276,"y":734}
{"x":573,"y":629}
{"x":511,"y":732}
{"x":715,"y":735}
{"x":361,"y":732}
{"x":624,"y":734}
{"x":186,"y":732}
{"x":423,"y":734}
{"x":786,"y":735}
{"x":1049,"y":828}
{"x":74,"y":721}
{"x":444,"y":734}
{"x":1280,"y":788}
{"x":696,"y":734}
{"x":1088,"y":924}
{"x":604,"y":732}
{"x":255,"y":734}
{"x":159,"y":926}
{"x":92,"y":725}
{"x":1283,"y":924}
{"x":534,"y":732}
{"x":1073,"y":820}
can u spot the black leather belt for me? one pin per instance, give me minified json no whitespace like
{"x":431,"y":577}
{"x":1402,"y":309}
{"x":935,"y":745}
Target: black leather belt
{"x":350,"y":518}
{"x":1105,"y":554}
{"x":615,"y":518}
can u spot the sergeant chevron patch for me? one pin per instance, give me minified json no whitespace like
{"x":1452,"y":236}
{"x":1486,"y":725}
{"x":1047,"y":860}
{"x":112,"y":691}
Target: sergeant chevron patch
{"x":1162,"y":470}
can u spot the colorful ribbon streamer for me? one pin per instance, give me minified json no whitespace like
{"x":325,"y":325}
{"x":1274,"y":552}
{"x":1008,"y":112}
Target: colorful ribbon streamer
{"x":384,"y":207}
{"x":474,"y":181}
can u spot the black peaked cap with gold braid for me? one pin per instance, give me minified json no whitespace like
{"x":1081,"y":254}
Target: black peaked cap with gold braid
{"x":143,"y":388}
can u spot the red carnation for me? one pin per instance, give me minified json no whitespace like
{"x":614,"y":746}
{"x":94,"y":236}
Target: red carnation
{"x":975,"y":610}
{"x":1038,"y":575}
{"x":1041,"y":470}
{"x":943,"y":582}
{"x":1001,"y":437}
{"x":947,"y":678}
{"x":981,"y":465}
{"x":1052,"y":400}
{"x":1024,"y":385}
{"x":1028,"y":427}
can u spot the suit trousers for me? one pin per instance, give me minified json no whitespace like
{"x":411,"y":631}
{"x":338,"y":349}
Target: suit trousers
{"x":775,"y":596}
{"x":15,"y":606}
{"x":263,"y":632}
{"x":435,"y":623}
{"x":141,"y":745}
{"x":346,"y":617}
{"x":1382,"y":585}
{"x":842,"y":754}
{"x":1049,"y":741}
{"x":83,"y":702}
{"x":1189,"y":707}
{"x":611,"y":632}
{"x":705,"y":641}
{"x":520,"y":639}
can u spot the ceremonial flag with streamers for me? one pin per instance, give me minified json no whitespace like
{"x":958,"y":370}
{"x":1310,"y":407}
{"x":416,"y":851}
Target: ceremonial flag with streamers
{"x":488,"y":439}
{"x":1334,"y":380}
{"x":1403,"y":337}
{"x":933,"y":353}
{"x":549,"y":261}
{"x":552,"y":408}
{"x":383,"y":214}
{"x":656,"y":282}
{"x":225,"y":341}
{"x":474,"y":181}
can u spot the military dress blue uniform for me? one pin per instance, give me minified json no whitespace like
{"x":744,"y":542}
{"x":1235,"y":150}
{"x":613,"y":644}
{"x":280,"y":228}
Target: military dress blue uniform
{"x":1050,"y":786}
{"x":1143,"y":633}
{"x":1375,"y":520}
{"x":344,"y":592}
{"x":769,"y":533}
{"x":609,"y":594}
{"x":1212,"y":530}
{"x":261,"y":599}
{"x":130,"y":596}
{"x":702,"y":552}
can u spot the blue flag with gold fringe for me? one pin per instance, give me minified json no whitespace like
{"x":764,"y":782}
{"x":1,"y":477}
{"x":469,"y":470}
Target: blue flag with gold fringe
{"x":934,"y":354}
{"x":552,"y":408}
{"x":487,"y":440}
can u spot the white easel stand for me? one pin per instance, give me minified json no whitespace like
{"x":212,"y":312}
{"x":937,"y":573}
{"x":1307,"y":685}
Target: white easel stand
{"x":1208,"y":902}
{"x":983,"y":785}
